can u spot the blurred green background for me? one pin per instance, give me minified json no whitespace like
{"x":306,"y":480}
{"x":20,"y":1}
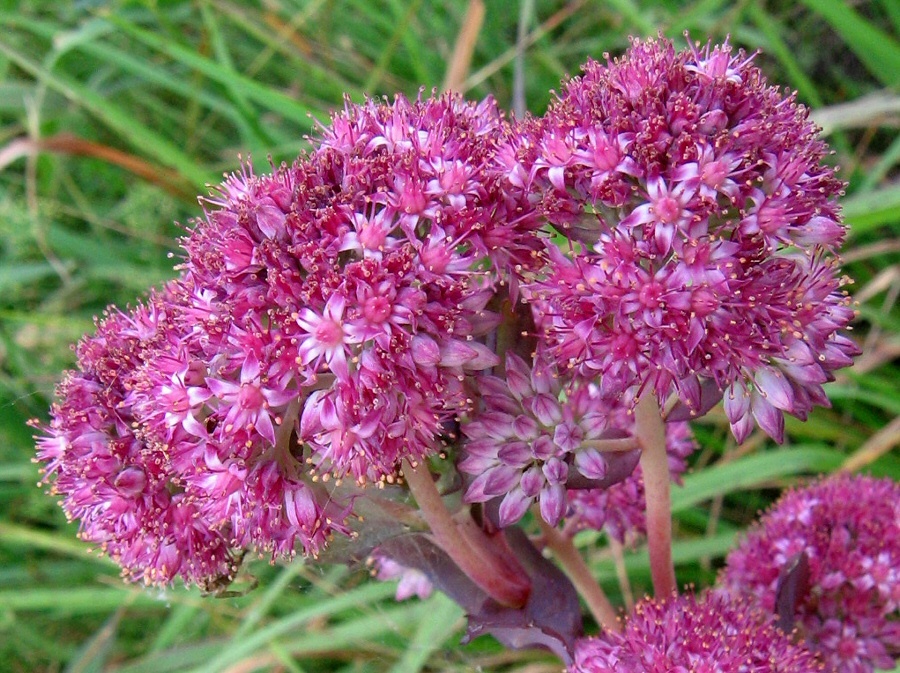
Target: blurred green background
{"x":115,"y":115}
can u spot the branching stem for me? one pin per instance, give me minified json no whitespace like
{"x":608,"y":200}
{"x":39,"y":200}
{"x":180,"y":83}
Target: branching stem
{"x":612,"y":445}
{"x":505,"y":582}
{"x":575,"y":567}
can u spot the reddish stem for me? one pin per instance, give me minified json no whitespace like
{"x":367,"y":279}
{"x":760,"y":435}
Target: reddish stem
{"x":502,"y":579}
{"x":612,"y":445}
{"x":578,"y":571}
{"x":651,"y":433}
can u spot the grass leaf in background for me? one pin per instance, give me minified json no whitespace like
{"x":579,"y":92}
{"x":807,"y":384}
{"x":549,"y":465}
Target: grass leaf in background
{"x":272,"y":100}
{"x":140,"y":136}
{"x":879,"y":50}
{"x":751,"y":470}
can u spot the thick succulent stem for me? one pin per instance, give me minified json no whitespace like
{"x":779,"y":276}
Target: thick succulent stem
{"x":502,"y":579}
{"x":575,"y":567}
{"x":651,"y":433}
{"x":612,"y":445}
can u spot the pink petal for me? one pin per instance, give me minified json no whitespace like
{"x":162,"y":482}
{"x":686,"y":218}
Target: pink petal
{"x":250,"y":368}
{"x":737,"y":402}
{"x":553,"y":504}
{"x":532,"y":481}
{"x":516,"y":454}
{"x":591,"y":463}
{"x":774,"y":386}
{"x":556,"y":471}
{"x":769,"y":418}
{"x":546,"y":409}
{"x":518,"y":376}
{"x":513,"y":507}
{"x":501,"y":480}
{"x":425,"y":350}
{"x":300,"y":507}
{"x":270,"y":219}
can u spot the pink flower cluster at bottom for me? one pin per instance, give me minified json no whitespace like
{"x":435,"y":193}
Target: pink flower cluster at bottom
{"x":710,"y":633}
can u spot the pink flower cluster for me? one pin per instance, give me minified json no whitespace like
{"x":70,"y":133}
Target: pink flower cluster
{"x":531,"y":432}
{"x":849,"y":530}
{"x":124,"y":492}
{"x":359,"y":277}
{"x":528,"y":436}
{"x":324,"y":324}
{"x":344,"y":313}
{"x":706,"y":633}
{"x":411,"y":582}
{"x":700,"y":220}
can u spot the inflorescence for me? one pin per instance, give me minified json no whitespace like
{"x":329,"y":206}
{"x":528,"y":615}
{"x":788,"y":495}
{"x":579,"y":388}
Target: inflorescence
{"x":700,"y":221}
{"x":847,"y":531}
{"x":434,"y":281}
{"x":706,"y":633}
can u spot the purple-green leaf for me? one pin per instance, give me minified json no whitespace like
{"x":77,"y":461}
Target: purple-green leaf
{"x":551,"y":618}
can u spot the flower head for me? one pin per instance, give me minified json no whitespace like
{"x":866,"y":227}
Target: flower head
{"x":702,"y":219}
{"x":358,"y":280}
{"x":123,"y":491}
{"x":703,"y":634}
{"x":324,"y":323}
{"x":848,"y":529}
{"x":530,"y":435}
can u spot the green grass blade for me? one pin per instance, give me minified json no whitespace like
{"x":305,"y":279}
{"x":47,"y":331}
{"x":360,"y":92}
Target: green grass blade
{"x":175,"y":659}
{"x":876,"y":49}
{"x":374,"y":627}
{"x":238,"y":649}
{"x":19,"y":473}
{"x":636,"y":16}
{"x":696,"y":16}
{"x":888,"y":401}
{"x":400,"y":33}
{"x":769,"y":27}
{"x":749,"y":471}
{"x":139,"y":136}
{"x":868,"y":211}
{"x":142,"y":68}
{"x":16,"y":274}
{"x":246,"y":111}
{"x":79,"y":600}
{"x":683,"y":552}
{"x":95,"y":652}
{"x":889,"y":159}
{"x":267,"y":97}
{"x":13,"y":535}
{"x":330,"y":84}
{"x":208,"y":656}
{"x":440,"y":623}
{"x":261,"y":606}
{"x":892,"y":9}
{"x":180,"y":619}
